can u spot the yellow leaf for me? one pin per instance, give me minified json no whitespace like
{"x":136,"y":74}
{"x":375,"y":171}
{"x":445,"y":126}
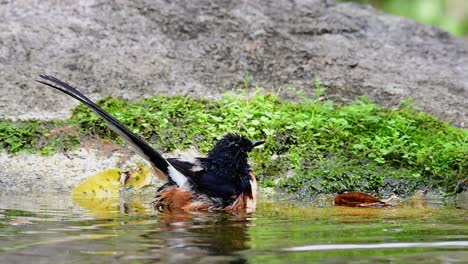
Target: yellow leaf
{"x":100,"y":193}
{"x":101,"y":207}
{"x":138,"y":207}
{"x":140,"y":178}
{"x":102,"y":185}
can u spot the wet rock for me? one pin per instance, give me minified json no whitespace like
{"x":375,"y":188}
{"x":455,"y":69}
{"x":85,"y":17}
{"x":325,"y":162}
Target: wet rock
{"x":133,"y":49}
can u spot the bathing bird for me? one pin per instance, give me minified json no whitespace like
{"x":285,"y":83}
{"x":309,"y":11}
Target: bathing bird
{"x":223,"y":180}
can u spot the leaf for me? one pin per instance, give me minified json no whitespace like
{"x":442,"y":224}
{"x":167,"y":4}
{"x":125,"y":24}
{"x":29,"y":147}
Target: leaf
{"x":359,"y":199}
{"x":111,"y":207}
{"x":102,"y":185}
{"x":108,"y":207}
{"x":100,"y":193}
{"x":139,"y":178}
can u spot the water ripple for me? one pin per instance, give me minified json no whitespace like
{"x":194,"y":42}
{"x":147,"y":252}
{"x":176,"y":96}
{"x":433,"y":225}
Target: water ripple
{"x":378,"y":246}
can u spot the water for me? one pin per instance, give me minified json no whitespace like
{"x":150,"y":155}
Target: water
{"x":45,"y":228}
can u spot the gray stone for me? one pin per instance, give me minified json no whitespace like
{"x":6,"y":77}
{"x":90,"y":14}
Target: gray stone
{"x":133,"y":49}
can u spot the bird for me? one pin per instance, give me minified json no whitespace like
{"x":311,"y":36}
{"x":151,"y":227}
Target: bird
{"x":221,"y":181}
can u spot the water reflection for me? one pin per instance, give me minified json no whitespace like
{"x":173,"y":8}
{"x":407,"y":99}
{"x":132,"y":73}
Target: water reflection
{"x":178,"y":236}
{"x":56,"y":229}
{"x":216,"y":236}
{"x":119,"y":230}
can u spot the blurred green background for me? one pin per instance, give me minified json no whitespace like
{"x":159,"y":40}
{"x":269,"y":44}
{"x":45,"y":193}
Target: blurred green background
{"x":451,"y":15}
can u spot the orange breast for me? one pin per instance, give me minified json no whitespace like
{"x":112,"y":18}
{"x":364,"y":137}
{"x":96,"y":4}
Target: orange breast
{"x":245,"y":202}
{"x":175,"y":198}
{"x":179,"y":199}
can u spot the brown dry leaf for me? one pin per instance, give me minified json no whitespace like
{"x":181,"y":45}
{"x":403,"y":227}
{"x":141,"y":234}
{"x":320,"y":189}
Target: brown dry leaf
{"x":359,"y":199}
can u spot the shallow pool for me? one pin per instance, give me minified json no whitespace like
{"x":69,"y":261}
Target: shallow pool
{"x":51,"y":228}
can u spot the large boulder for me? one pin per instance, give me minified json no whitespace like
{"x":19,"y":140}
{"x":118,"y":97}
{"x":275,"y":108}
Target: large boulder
{"x":138,"y":48}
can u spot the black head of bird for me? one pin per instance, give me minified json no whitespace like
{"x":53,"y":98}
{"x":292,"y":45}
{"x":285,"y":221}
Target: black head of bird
{"x":232,"y":150}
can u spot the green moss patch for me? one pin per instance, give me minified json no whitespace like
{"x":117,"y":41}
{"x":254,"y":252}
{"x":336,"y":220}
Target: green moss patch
{"x":313,"y":147}
{"x":35,"y":136}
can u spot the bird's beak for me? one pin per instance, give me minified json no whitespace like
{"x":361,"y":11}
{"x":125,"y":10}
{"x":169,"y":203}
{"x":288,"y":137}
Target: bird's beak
{"x":257,"y":143}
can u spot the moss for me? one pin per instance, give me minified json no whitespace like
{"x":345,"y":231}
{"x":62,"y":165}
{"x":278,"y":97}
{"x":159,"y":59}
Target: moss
{"x":36,"y":136}
{"x":312,"y":147}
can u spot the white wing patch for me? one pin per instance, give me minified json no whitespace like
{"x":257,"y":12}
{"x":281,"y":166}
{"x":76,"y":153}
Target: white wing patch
{"x":196,"y":164}
{"x":197,"y":168}
{"x":178,"y":177}
{"x":251,"y":204}
{"x":193,"y":161}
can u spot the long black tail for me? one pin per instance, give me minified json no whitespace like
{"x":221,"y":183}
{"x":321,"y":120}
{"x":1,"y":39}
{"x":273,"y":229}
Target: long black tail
{"x":141,"y":147}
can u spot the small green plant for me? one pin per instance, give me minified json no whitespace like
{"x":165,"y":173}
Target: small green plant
{"x":246,"y":80}
{"x":36,"y":136}
{"x":17,"y":136}
{"x":319,"y":89}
